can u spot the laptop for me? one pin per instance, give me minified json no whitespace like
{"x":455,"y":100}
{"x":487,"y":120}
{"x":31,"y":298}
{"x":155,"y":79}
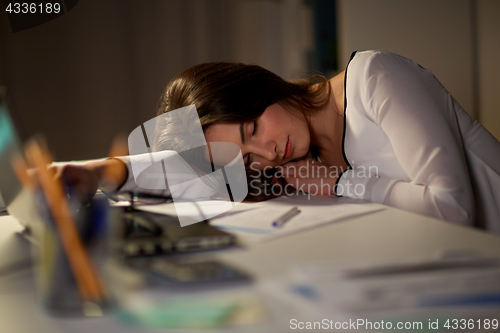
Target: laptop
{"x":14,"y":199}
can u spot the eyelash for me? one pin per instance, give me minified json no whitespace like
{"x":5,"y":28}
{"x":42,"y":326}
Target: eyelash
{"x":253,"y":133}
{"x":254,"y":127}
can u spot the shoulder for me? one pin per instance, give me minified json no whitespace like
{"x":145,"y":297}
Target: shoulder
{"x":365,"y":67}
{"x":375,"y":60}
{"x":376,"y":63}
{"x":371,"y":71}
{"x":375,"y":77}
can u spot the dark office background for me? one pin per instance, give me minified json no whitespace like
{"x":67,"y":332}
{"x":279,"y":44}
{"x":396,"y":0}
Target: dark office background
{"x":98,"y":70}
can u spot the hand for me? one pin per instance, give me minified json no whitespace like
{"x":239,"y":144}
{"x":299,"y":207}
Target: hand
{"x":79,"y":181}
{"x":83,"y":181}
{"x":310,"y":176}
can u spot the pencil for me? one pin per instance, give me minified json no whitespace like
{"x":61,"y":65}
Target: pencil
{"x":89,"y":285}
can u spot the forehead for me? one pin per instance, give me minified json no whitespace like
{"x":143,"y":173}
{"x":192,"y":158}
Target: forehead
{"x":223,"y":154}
{"x":223,"y":133}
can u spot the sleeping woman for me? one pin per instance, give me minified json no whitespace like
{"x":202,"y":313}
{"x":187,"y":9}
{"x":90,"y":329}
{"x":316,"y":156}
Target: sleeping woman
{"x":384,"y":130}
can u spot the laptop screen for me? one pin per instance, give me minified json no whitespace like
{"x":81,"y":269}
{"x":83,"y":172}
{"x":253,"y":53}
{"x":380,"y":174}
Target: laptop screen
{"x":9,"y":147}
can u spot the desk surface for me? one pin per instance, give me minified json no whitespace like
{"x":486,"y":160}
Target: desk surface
{"x":390,"y":234}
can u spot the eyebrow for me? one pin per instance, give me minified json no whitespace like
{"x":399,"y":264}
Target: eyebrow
{"x":242,"y":134}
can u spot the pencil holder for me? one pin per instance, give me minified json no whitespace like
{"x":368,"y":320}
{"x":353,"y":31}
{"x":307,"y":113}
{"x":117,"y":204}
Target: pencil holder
{"x":59,"y":284}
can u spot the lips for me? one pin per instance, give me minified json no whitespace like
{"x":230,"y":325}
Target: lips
{"x":288,"y":149}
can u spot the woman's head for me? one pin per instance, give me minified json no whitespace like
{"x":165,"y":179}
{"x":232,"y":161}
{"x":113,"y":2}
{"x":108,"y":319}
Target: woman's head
{"x":236,"y":93}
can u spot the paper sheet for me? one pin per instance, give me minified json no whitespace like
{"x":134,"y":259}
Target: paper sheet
{"x":255,"y":225}
{"x":252,"y":222}
{"x":420,"y":291}
{"x":200,"y":210}
{"x":424,"y":285}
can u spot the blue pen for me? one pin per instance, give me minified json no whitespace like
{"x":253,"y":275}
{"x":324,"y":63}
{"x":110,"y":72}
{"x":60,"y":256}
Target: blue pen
{"x":286,"y":217}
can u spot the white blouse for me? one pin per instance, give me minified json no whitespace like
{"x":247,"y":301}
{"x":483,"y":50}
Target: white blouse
{"x":404,"y":137}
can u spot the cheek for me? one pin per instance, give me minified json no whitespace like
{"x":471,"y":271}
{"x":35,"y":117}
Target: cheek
{"x":303,"y":138}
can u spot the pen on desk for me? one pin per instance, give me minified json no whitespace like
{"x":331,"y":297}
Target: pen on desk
{"x":286,"y":217}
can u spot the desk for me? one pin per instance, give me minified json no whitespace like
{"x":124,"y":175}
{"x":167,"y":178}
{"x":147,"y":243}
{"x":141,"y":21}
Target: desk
{"x":387,"y":234}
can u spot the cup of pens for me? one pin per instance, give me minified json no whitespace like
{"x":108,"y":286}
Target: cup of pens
{"x":73,"y":244}
{"x":62,"y":289}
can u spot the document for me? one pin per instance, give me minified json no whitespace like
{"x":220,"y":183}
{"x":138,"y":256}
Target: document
{"x":427,"y":286}
{"x":256,"y":225}
{"x":253,"y":222}
{"x":190,"y":212}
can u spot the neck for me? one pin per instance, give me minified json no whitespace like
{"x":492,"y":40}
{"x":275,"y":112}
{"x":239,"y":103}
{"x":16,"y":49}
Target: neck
{"x":326,"y":126}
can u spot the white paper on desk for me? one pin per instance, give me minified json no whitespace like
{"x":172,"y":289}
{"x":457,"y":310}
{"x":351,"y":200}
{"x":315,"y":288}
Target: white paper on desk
{"x":256,"y":225}
{"x":199,"y":210}
{"x":322,"y":290}
{"x":405,"y":287}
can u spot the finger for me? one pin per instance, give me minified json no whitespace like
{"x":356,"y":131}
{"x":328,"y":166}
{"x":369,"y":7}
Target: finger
{"x":79,"y":182}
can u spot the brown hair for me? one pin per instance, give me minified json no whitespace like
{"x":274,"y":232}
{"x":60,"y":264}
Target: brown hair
{"x":226,"y":92}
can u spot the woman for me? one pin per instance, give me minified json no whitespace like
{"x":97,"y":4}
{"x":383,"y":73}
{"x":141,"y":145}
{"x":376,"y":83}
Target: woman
{"x":384,"y":130}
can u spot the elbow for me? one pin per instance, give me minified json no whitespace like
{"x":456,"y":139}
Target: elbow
{"x":462,"y":217}
{"x":456,"y":209}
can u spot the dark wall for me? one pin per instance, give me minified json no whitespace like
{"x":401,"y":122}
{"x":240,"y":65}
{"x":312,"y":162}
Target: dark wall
{"x":99,"y":69}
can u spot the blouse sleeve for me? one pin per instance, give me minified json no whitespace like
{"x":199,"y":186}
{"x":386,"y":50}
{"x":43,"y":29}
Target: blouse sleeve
{"x":417,"y":115}
{"x":166,"y":173}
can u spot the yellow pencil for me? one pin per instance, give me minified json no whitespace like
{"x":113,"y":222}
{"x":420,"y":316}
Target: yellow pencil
{"x":88,"y":282}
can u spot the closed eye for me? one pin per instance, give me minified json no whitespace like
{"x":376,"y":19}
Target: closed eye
{"x":254,"y":131}
{"x":254,"y":127}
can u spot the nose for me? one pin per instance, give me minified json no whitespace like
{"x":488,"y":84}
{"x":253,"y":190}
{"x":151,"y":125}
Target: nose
{"x":265,"y":149}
